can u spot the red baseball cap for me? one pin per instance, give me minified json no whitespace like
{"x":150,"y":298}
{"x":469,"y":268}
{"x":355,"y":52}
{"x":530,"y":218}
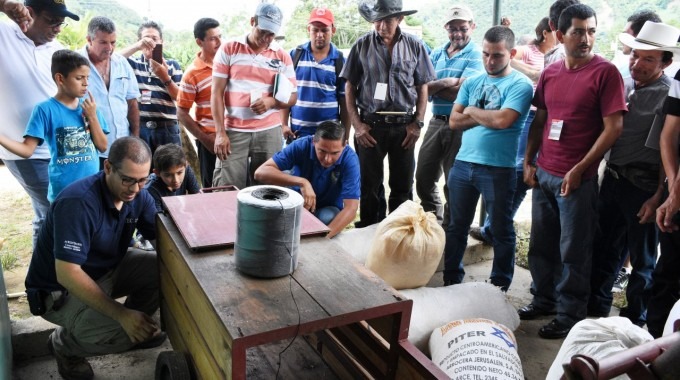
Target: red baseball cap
{"x":322,"y":15}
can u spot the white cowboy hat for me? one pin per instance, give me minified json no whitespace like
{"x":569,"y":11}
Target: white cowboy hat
{"x":376,"y":10}
{"x":653,"y":36}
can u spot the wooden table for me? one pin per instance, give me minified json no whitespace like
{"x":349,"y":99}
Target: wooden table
{"x":356,"y":322}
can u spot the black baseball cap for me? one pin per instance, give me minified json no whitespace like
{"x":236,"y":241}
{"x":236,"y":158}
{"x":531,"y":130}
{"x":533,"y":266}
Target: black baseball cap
{"x":55,"y":7}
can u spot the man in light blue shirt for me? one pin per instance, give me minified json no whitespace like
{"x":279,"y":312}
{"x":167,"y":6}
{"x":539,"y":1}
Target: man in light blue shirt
{"x":458,"y":59}
{"x":491,"y":109}
{"x":112,"y":82}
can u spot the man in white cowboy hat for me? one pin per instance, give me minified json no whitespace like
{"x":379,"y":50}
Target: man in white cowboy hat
{"x":387,"y":72}
{"x":632,"y":187}
{"x":580,"y":105}
{"x":459,"y":58}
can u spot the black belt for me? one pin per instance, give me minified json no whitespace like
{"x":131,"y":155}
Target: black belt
{"x":637,"y":170}
{"x":387,"y":119}
{"x":153,"y":124}
{"x":441,"y":117}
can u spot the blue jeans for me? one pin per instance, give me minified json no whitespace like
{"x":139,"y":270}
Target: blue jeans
{"x":496,"y":185}
{"x":561,"y":246}
{"x":619,"y":228}
{"x":160,"y":135}
{"x":666,"y":282}
{"x":32,"y":176}
{"x":372,"y":204}
{"x":327,"y":214}
{"x":517,"y":198}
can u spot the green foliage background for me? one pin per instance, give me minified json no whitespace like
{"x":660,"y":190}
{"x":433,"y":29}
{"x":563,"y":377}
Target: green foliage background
{"x":525,"y":14}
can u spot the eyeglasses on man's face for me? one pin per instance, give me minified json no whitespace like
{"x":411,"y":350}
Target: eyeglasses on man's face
{"x":129,"y":181}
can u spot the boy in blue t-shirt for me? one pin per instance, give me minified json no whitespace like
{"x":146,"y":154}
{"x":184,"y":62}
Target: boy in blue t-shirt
{"x":68,"y":122}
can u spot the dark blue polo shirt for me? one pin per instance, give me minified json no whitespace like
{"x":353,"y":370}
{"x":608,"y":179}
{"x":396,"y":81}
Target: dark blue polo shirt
{"x":84,"y":227}
{"x":341,"y":181}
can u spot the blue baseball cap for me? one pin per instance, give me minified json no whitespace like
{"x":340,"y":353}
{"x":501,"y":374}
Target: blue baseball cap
{"x":269,"y":17}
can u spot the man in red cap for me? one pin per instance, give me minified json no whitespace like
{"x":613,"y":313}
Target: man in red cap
{"x":321,"y":92}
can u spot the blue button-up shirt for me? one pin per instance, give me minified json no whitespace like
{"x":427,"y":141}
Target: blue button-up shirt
{"x":112,"y":101}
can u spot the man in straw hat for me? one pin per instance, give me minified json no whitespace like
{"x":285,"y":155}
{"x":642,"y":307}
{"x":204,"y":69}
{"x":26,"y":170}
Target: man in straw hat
{"x":632,"y":187}
{"x":666,"y":287}
{"x":458,"y":59}
{"x":387,"y":72}
{"x":579,"y":116}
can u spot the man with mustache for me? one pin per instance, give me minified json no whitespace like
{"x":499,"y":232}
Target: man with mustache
{"x":579,"y":116}
{"x":633,"y":183}
{"x":244,"y":73}
{"x":112,"y":82}
{"x":387,"y":72}
{"x":460,"y":58}
{"x":321,"y":92}
{"x":490,"y":110}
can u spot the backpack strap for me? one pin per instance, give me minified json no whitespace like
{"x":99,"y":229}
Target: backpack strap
{"x":338,"y":65}
{"x":298,"y":54}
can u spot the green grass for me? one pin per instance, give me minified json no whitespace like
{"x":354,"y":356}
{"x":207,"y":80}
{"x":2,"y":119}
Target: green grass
{"x":522,"y":230}
{"x":8,"y":260}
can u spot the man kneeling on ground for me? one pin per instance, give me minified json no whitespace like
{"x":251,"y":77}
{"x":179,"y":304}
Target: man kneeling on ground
{"x":82,"y":263}
{"x":324,"y":170}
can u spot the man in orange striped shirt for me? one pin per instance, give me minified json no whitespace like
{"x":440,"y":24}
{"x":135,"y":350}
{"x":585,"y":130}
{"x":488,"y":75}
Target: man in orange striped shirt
{"x":196,"y":88}
{"x":244,"y":73}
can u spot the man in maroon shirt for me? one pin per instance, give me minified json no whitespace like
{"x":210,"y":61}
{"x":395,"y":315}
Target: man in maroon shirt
{"x":579,"y":115}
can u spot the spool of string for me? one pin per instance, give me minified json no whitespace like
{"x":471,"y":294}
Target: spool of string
{"x":268,"y":231}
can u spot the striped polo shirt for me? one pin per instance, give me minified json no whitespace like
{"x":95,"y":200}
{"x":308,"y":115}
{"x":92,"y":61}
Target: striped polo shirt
{"x":465,"y":64}
{"x":161,"y":106}
{"x":196,"y":88}
{"x":250,"y":73}
{"x":318,"y":92}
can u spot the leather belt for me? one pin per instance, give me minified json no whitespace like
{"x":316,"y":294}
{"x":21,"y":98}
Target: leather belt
{"x":387,"y":119}
{"x":153,"y":124}
{"x":441,"y":117}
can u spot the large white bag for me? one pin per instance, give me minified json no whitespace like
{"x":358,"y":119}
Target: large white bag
{"x":407,"y":247}
{"x":434,"y":307}
{"x":598,"y":338}
{"x":476,"y":348}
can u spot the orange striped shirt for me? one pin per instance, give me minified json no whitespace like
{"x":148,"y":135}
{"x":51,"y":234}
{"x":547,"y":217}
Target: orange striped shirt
{"x":249,"y":73}
{"x":195,"y":88}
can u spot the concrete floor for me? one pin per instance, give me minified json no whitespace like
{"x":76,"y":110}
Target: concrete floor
{"x":536,"y":354}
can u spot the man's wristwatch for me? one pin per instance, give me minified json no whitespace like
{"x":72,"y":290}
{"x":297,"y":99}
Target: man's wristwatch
{"x":420,"y":124}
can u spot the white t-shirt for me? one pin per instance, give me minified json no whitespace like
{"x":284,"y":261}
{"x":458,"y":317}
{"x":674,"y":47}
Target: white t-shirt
{"x":26,"y":77}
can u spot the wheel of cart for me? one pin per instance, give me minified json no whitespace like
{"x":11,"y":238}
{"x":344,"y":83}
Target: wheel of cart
{"x":173,"y":365}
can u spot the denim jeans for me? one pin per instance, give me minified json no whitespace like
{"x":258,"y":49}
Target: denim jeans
{"x":666,"y":281}
{"x":160,"y":136}
{"x":561,"y":246}
{"x":327,"y":214}
{"x":619,"y":230}
{"x":496,"y":185}
{"x":517,"y":198}
{"x":437,"y":152}
{"x":32,"y":176}
{"x":401,"y":165}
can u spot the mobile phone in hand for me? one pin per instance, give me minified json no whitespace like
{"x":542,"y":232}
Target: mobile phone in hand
{"x":157,"y":53}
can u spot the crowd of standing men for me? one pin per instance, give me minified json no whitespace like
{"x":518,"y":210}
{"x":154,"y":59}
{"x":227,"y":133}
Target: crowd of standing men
{"x":505,"y":119}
